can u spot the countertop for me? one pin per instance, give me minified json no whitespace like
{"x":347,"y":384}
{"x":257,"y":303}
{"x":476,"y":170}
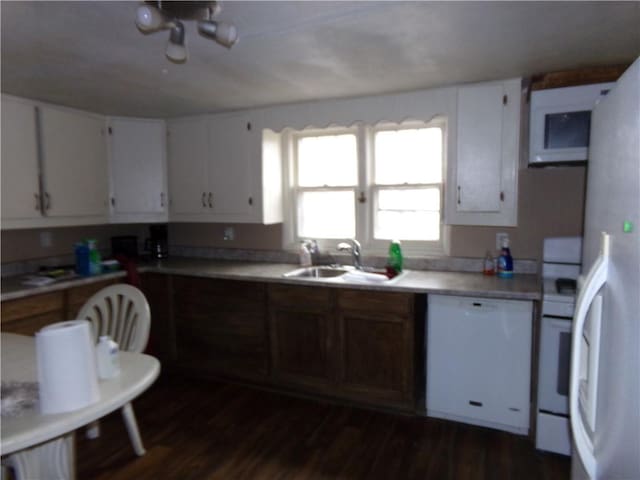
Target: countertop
{"x":521,"y":287}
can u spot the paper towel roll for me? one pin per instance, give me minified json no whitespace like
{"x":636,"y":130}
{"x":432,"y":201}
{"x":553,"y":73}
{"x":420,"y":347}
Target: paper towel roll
{"x":67,"y":373}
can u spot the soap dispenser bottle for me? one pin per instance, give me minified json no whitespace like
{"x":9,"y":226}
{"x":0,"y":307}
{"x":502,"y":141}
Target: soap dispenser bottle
{"x":505,"y":261}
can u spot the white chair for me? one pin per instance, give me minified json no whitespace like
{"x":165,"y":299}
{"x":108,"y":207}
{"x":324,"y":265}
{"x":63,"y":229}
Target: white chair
{"x":122,"y":312}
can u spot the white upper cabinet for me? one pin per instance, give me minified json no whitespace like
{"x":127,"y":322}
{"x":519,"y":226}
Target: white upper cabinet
{"x":74,"y":165}
{"x":188,"y":145}
{"x":483,"y":171}
{"x":21,"y":200}
{"x":54,"y":168}
{"x":137,"y":153}
{"x":217,"y":170}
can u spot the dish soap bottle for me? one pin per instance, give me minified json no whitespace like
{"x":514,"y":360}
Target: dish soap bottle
{"x":95,"y":261}
{"x":505,"y":261}
{"x":394,"y":263}
{"x":305,"y":255}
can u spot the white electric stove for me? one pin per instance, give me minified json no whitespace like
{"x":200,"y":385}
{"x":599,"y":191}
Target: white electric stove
{"x":560,"y":270}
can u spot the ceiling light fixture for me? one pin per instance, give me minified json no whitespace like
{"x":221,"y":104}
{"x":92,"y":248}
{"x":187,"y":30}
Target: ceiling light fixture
{"x":153,"y":16}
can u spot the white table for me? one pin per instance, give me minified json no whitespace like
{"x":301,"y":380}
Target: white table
{"x":42,"y":445}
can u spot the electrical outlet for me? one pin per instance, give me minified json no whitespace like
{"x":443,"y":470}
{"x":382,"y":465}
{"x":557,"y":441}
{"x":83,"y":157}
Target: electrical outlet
{"x":229,"y":233}
{"x":499,"y":239}
{"x":45,"y":239}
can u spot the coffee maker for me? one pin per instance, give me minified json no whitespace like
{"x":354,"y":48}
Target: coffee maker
{"x":157,"y":244}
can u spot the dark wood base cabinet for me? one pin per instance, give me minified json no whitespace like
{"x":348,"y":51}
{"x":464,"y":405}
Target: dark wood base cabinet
{"x":27,"y":315}
{"x":352,"y":344}
{"x":220,"y":327}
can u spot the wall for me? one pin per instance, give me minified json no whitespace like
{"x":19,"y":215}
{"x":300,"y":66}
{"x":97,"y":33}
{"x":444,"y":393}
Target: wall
{"x":19,"y":245}
{"x":551,"y":203}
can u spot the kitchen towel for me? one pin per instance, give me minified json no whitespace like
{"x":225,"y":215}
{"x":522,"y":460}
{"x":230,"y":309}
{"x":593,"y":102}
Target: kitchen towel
{"x":67,"y":373}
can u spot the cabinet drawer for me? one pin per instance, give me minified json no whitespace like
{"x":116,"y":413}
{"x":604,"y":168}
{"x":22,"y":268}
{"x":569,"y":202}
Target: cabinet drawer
{"x":37,"y":305}
{"x":202,"y":290}
{"x":294,"y":296}
{"x":376,"y":302}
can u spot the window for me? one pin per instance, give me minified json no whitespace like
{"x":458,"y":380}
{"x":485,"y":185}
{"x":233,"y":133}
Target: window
{"x":375,"y":184}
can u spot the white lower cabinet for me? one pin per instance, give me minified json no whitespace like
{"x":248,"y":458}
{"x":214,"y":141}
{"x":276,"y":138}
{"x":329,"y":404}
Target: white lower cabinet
{"x":479,"y":361}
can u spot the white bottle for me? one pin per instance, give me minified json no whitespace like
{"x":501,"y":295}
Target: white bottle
{"x":305,"y":255}
{"x":108,"y":358}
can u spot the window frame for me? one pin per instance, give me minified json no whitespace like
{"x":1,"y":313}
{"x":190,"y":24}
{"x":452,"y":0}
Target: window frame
{"x":416,"y":247}
{"x":364,"y":212}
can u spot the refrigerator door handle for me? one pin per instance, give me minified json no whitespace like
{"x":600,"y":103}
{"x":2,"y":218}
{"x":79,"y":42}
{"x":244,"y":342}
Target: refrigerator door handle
{"x":596,"y":278}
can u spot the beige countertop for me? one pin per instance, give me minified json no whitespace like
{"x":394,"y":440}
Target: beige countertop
{"x":521,"y":287}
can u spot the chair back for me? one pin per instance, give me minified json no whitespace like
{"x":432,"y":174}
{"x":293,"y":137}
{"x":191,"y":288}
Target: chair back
{"x":122,"y":312}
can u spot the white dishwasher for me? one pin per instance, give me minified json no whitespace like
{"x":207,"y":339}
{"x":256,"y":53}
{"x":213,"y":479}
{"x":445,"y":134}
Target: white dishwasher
{"x":479,"y":361}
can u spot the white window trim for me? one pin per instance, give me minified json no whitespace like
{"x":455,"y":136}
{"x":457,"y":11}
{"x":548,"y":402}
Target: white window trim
{"x":364,"y":211}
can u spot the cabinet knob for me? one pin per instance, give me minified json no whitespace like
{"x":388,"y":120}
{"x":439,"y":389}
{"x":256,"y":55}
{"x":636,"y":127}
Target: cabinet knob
{"x":459,"y":194}
{"x":162,"y":199}
{"x":47,"y":201}
{"x":210,"y":200}
{"x":204,"y":199}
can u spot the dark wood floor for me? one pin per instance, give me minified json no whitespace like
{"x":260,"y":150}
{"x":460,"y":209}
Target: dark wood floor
{"x":210,"y":430}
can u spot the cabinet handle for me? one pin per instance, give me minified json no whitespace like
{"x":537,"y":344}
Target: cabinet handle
{"x":47,"y":201}
{"x":210,"y":200}
{"x":162,"y":199}
{"x":204,"y":199}
{"x":37,"y":197}
{"x":459,"y":194}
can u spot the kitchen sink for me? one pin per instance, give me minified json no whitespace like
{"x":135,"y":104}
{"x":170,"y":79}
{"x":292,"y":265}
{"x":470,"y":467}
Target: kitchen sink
{"x":343,"y":274}
{"x":318,"y":272}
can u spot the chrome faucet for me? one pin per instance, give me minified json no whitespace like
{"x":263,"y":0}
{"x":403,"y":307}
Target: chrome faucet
{"x":353,"y":246}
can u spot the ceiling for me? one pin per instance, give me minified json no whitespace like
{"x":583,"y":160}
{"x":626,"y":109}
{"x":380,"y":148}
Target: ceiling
{"x":90,"y":55}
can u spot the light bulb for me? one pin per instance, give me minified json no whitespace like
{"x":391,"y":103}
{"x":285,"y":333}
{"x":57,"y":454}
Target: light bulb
{"x":176,"y":50}
{"x":226,"y":34}
{"x":149,"y":19}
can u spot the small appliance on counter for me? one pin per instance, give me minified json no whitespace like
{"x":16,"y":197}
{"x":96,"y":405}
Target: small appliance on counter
{"x":125,"y":245}
{"x":157,"y":244}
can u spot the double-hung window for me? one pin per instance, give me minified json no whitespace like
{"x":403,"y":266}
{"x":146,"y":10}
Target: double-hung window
{"x":372,"y":183}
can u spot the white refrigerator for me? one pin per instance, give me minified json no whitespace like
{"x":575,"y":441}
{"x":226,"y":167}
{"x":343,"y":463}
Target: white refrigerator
{"x":604,"y":394}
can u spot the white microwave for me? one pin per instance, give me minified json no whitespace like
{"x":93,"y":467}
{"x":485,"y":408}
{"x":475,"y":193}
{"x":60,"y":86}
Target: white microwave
{"x":560,"y":122}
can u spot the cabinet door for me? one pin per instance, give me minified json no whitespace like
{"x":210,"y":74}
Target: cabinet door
{"x":74,"y":164}
{"x":162,"y":338}
{"x":20,"y":188}
{"x":375,"y":332}
{"x":232,"y":141}
{"x":138,"y":166}
{"x":221,"y":326}
{"x":188,"y":146}
{"x":479,"y":361}
{"x":26,"y":316}
{"x":301,"y":333}
{"x":485,"y":167}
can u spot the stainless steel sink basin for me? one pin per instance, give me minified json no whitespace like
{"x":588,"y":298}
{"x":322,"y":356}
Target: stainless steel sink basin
{"x":317,"y":272}
{"x":343,"y":274}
